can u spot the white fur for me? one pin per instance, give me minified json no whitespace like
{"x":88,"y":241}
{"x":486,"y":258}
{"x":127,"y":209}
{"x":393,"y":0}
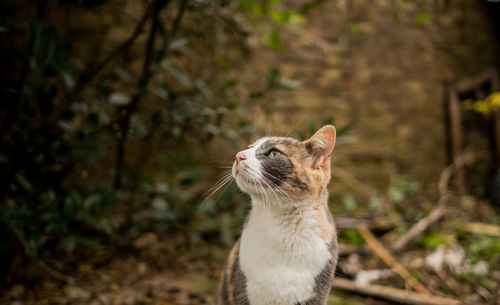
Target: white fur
{"x":254,"y":164}
{"x":281,"y":256}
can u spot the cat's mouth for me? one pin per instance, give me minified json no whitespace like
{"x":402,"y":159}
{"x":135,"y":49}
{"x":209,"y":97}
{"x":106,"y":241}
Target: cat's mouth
{"x":241,"y":173}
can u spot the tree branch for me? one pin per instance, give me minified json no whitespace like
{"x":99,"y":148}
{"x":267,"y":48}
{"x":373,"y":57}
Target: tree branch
{"x":393,"y":294}
{"x":462,"y":160}
{"x":389,"y":259}
{"x":125,"y":114}
{"x":89,"y":76}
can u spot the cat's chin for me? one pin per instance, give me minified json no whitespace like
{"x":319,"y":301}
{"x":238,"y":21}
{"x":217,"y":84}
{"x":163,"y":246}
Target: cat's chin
{"x":246,"y":185}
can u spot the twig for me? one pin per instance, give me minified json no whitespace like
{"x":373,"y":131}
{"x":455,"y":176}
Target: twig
{"x":223,"y":15}
{"x":54,"y":273}
{"x":124,"y":119}
{"x":178,"y":19}
{"x":377,"y":247}
{"x":464,"y":159}
{"x":89,"y":76}
{"x":482,"y":228}
{"x":393,"y":294}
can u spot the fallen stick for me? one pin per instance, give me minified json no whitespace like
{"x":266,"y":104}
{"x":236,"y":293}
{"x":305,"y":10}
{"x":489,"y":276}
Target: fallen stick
{"x":436,"y":214}
{"x":482,"y":228}
{"x":377,"y":247}
{"x":393,"y":294}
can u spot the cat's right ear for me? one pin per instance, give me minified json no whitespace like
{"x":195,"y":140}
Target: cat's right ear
{"x":320,"y":145}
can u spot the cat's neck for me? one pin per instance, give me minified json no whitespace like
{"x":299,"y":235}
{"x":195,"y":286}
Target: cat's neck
{"x":282,"y":206}
{"x":283,"y":249}
{"x":294,"y":216}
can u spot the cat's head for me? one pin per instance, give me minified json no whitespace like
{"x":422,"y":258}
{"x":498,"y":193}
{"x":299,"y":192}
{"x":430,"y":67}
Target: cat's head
{"x":284,"y":167}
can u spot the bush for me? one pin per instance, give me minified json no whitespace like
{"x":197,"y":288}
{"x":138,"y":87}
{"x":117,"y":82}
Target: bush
{"x":83,"y":132}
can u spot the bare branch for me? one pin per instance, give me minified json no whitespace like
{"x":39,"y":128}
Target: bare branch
{"x":393,"y":294}
{"x":465,"y":158}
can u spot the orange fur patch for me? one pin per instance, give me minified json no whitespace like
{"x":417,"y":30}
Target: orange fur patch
{"x":229,"y":271}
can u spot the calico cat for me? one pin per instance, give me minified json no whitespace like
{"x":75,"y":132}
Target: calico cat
{"x":287,"y":252}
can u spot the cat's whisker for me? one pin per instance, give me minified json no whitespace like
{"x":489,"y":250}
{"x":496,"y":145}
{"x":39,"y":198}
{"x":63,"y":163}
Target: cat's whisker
{"x":226,"y":178}
{"x":268,"y":132}
{"x":295,"y":124}
{"x":258,"y":184}
{"x":273,"y":187}
{"x":227,"y":162}
{"x":217,"y":185}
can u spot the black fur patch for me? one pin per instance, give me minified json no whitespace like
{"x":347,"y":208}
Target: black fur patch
{"x":240,"y":284}
{"x":323,"y":280}
{"x":278,"y":169}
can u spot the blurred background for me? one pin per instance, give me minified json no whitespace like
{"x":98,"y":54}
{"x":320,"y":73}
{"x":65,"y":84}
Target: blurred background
{"x":118,"y":117}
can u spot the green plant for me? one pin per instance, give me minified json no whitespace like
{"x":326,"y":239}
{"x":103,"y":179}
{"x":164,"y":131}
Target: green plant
{"x":82,"y":132}
{"x":402,"y":188}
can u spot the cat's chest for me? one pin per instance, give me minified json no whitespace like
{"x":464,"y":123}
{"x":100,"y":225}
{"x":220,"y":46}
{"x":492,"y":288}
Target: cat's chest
{"x":281,"y":258}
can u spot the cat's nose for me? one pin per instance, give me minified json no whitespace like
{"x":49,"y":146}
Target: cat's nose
{"x":240,"y":156}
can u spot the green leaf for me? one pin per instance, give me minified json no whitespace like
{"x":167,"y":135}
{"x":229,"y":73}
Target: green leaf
{"x":24,"y":183}
{"x":409,"y":185}
{"x":328,"y":121}
{"x":396,"y":194}
{"x":97,"y":223}
{"x":374,"y":203}
{"x":421,"y":19}
{"x":354,"y":28}
{"x":179,"y":74}
{"x":32,"y":245}
{"x":224,"y":62}
{"x":307,"y":7}
{"x":184,"y":108}
{"x":69,"y":243}
{"x":342,"y":130}
{"x":274,"y":41}
{"x":287,"y":17}
{"x":68,"y":80}
{"x":91,"y":200}
{"x":231,"y":83}
{"x":273,"y":77}
{"x":352,"y":237}
{"x":433,"y":240}
{"x":350,"y":203}
{"x":62,"y":53}
{"x":123,"y":75}
{"x":189,"y":176}
{"x":485,"y":246}
{"x":33,"y":39}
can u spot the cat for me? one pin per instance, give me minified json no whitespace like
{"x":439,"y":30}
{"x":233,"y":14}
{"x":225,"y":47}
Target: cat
{"x":287,"y":252}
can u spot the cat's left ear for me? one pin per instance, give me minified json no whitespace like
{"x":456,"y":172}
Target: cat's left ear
{"x":321,"y":145}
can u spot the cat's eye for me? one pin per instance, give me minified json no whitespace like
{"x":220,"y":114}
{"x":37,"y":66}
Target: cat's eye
{"x":274,"y":153}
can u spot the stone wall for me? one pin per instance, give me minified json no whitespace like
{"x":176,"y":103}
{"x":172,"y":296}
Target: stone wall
{"x":381,"y":65}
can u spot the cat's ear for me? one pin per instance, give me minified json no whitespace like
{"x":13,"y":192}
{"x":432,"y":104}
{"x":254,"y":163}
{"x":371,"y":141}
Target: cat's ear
{"x":321,"y":144}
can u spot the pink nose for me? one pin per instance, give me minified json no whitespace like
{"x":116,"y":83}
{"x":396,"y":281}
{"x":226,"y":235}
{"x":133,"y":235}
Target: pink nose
{"x":240,"y":156}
